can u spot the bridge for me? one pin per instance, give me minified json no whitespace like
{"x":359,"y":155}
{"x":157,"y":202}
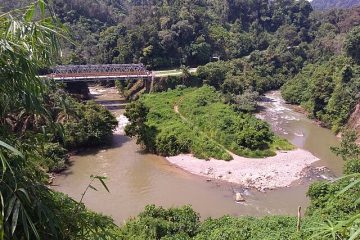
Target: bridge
{"x":90,"y":73}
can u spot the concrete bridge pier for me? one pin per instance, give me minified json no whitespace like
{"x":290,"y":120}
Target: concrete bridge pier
{"x":78,"y":89}
{"x":149,"y":83}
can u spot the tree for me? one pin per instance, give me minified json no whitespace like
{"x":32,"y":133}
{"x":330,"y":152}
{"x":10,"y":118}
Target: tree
{"x":200,"y":52}
{"x":349,"y":151}
{"x":213,"y":73}
{"x":137,"y":113}
{"x":352,"y":44}
{"x":247,"y":101}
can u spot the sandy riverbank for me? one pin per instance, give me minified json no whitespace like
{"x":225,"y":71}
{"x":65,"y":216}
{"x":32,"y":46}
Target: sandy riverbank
{"x":265,"y":173}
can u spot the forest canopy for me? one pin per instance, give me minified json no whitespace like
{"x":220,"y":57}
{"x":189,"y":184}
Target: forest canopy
{"x":165,"y":34}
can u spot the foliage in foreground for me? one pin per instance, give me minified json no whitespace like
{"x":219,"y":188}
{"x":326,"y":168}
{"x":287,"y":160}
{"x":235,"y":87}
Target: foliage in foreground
{"x":32,"y":116}
{"x":338,"y":202}
{"x":183,"y":223}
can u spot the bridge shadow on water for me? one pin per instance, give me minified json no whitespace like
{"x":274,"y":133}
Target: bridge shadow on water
{"x":116,"y":107}
{"x":266,"y":99}
{"x":117,"y":141}
{"x":263,"y":99}
{"x":105,"y":102}
{"x":113,"y":104}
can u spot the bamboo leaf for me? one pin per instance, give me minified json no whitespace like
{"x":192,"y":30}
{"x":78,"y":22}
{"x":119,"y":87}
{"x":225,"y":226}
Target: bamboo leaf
{"x":101,"y":179}
{"x":15,"y":216}
{"x":25,"y":225}
{"x":7,"y":146}
{"x":29,"y":13}
{"x":93,"y":188}
{"x":42,"y":6}
{"x":351,"y":185}
{"x":10,"y":208}
{"x":2,"y":217}
{"x":2,"y":206}
{"x":3,"y":162}
{"x":32,"y":225}
{"x":25,"y":193}
{"x":355,"y":235}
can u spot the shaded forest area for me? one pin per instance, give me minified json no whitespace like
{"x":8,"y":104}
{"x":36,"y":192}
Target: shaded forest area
{"x":165,"y":34}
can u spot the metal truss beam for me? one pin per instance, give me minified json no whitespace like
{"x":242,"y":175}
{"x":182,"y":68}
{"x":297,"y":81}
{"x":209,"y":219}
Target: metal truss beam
{"x":99,"y":72}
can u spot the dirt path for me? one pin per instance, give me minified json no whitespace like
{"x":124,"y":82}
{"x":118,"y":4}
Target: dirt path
{"x":176,"y":110}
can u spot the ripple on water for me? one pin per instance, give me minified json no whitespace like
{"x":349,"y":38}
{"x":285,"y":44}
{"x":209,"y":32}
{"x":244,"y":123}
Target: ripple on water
{"x":122,"y":122}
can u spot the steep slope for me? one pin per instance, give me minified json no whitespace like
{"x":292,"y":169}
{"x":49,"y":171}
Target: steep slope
{"x":330,"y":4}
{"x":354,"y":121}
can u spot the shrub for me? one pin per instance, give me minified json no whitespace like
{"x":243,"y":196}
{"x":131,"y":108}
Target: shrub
{"x":159,"y":223}
{"x":195,"y":120}
{"x":173,"y":140}
{"x":55,"y":156}
{"x":352,"y":166}
{"x":92,"y":126}
{"x":327,"y":203}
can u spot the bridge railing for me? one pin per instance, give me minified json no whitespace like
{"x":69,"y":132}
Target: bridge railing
{"x":111,"y":70}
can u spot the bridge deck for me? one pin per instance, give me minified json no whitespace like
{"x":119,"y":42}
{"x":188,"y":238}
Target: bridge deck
{"x":72,"y":73}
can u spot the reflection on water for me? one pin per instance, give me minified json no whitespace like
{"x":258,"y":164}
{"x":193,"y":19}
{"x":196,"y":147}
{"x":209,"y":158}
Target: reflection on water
{"x":136,"y":179}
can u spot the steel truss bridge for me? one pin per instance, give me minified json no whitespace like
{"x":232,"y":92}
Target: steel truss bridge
{"x":90,"y":73}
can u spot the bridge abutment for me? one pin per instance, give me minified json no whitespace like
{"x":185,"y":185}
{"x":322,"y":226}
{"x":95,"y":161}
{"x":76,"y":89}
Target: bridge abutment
{"x":149,"y":83}
{"x":79,"y":89}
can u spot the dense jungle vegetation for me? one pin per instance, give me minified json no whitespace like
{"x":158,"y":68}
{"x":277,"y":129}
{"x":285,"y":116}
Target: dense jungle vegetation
{"x":329,"y":90}
{"x":263,"y":45}
{"x":165,"y":34}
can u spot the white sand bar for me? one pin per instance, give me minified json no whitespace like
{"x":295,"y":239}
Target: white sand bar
{"x":260,"y":173}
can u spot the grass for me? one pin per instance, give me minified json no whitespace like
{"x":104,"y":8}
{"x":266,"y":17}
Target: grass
{"x":207,"y":127}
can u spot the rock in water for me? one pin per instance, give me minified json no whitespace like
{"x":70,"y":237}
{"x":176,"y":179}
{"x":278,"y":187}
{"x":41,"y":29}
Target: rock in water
{"x":239,"y":198}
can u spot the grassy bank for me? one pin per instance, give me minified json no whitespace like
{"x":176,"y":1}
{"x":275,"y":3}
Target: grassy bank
{"x":196,"y":120}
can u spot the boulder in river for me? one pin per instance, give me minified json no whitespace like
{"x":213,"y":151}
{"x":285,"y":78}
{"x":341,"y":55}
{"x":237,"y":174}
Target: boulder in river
{"x":239,"y":198}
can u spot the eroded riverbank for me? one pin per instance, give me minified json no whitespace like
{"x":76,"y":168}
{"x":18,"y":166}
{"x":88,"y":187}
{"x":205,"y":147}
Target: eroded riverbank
{"x":136,"y":179}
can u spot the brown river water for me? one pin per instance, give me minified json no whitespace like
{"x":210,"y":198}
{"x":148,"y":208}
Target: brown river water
{"x":136,"y":179}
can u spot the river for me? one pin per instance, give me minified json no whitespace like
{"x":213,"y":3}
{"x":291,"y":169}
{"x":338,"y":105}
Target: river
{"x":136,"y":179}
